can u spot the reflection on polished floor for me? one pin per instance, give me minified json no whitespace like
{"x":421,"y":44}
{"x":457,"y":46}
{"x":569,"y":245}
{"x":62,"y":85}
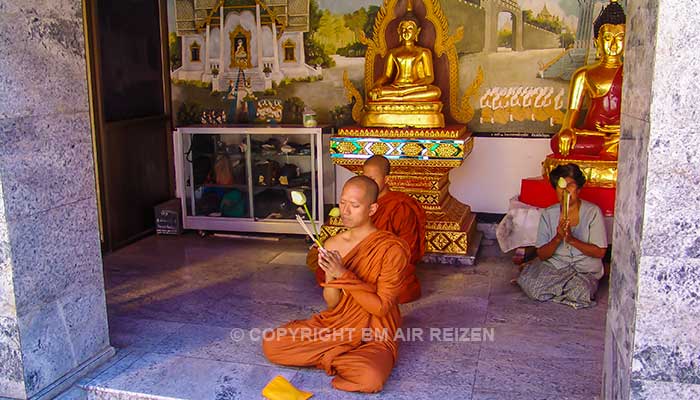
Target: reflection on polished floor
{"x":184,"y":312}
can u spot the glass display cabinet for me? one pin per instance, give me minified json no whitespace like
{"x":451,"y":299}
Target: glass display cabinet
{"x":240,"y":178}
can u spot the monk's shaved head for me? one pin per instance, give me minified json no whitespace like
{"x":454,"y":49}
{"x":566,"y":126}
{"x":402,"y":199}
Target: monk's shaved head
{"x":368,"y":186}
{"x":379,"y":162}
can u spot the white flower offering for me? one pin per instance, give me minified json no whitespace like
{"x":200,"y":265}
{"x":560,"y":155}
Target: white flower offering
{"x":299,"y":199}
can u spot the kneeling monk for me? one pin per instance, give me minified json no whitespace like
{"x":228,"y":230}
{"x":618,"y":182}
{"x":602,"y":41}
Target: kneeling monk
{"x":363,"y":275}
{"x":399,"y":214}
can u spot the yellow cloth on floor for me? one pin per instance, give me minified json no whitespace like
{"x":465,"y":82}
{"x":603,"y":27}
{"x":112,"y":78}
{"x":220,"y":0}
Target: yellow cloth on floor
{"x":280,"y":389}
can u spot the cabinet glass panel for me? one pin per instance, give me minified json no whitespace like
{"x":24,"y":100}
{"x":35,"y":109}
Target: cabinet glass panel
{"x":282,"y":163}
{"x":241,"y":178}
{"x":216,"y":178}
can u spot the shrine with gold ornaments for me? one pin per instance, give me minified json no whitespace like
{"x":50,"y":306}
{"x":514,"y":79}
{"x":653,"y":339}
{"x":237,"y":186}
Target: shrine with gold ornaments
{"x":403,"y":119}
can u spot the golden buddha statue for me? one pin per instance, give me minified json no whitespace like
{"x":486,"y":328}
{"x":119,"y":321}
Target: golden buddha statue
{"x":411,"y":67}
{"x":599,"y":134}
{"x":404,"y":95}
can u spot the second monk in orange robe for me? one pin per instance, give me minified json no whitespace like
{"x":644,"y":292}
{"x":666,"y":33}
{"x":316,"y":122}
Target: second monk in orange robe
{"x":398,"y":213}
{"x":354,"y":338}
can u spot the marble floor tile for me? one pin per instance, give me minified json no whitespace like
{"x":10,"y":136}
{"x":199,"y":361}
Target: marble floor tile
{"x":291,"y":258}
{"x":234,"y":312}
{"x":445,"y":311}
{"x":305,"y":293}
{"x":174,"y":301}
{"x":502,"y":286}
{"x":74,"y":393}
{"x":139,"y":333}
{"x":448,"y":385}
{"x":442,"y":369}
{"x":517,"y":308}
{"x":562,"y":342}
{"x":532,"y":373}
{"x":188,"y":378}
{"x":444,"y":364}
{"x":448,"y":280}
{"x":499,"y":395}
{"x":184,"y":307}
{"x":298,"y":275}
{"x":214,"y":343}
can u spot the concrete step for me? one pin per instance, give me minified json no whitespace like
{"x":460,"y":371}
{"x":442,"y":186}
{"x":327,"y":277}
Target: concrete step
{"x":156,"y":376}
{"x":74,"y":393}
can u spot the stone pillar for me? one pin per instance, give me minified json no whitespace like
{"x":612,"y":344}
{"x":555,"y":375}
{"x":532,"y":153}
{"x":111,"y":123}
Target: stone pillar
{"x":53,"y":320}
{"x":652,"y":346}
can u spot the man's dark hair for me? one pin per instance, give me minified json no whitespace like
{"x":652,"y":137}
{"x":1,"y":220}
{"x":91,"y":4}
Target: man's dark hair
{"x":567,"y":171}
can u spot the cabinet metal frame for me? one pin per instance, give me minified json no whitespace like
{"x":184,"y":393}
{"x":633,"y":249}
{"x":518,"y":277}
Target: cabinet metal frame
{"x":250,"y":223}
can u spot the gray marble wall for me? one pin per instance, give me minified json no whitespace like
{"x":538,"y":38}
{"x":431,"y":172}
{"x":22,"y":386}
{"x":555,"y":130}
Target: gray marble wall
{"x":52,"y":305}
{"x":652,"y":342}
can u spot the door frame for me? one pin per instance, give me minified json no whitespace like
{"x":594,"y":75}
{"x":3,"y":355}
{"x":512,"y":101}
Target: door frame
{"x":99,"y":124}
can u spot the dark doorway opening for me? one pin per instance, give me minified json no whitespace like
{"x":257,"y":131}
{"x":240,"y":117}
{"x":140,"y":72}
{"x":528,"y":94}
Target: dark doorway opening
{"x":130,"y":103}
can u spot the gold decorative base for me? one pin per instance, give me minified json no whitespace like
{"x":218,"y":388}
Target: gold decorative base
{"x":449,"y":229}
{"x":598,"y":172}
{"x":420,"y":166}
{"x":399,"y":115}
{"x":333,"y":227}
{"x":448,"y":132}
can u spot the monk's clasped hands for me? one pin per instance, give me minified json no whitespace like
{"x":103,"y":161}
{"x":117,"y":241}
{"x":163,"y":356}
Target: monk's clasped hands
{"x":331,"y":262}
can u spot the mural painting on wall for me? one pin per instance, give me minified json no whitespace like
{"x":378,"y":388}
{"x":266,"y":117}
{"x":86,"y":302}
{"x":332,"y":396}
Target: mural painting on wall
{"x":298,"y":50}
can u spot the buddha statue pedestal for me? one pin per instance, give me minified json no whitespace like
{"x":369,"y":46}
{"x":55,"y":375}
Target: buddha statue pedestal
{"x":599,"y":171}
{"x":402,"y":114}
{"x":420,"y":163}
{"x":601,"y":177}
{"x":538,"y":192}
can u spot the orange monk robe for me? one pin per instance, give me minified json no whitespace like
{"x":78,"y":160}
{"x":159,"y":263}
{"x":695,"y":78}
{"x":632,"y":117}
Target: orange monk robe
{"x":336,"y":340}
{"x":402,"y":215}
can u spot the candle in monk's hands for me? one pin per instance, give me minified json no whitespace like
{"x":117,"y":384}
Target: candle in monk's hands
{"x":562,"y":184}
{"x":299,"y":199}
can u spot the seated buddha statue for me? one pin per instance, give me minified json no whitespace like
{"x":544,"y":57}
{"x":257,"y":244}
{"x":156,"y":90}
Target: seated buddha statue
{"x":404,"y":92}
{"x":601,"y":82}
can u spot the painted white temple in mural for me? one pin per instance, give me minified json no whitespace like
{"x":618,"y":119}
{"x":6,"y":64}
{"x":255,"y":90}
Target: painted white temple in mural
{"x":264,"y":38}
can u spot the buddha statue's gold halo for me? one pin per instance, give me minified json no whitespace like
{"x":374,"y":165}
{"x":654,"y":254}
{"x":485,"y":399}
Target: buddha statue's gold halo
{"x":403,"y":95}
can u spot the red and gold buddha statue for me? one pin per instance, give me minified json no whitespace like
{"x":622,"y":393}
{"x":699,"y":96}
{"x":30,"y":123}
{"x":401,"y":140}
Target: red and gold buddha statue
{"x":595,"y":140}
